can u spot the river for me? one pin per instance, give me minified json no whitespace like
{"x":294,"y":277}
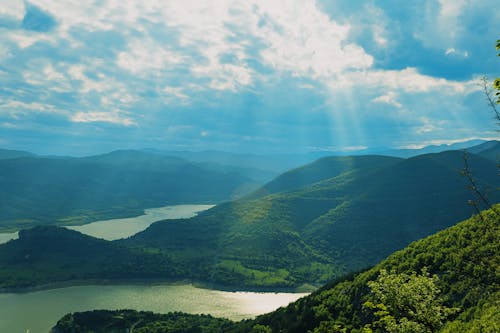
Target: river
{"x":126,"y":227}
{"x":39,"y":311}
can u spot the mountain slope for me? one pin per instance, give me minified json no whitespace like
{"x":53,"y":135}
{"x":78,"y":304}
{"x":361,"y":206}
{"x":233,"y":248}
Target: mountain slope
{"x":324,"y":168}
{"x":123,"y":183}
{"x":330,"y":227}
{"x":465,"y":258}
{"x":48,"y":254}
{"x":319,"y":231}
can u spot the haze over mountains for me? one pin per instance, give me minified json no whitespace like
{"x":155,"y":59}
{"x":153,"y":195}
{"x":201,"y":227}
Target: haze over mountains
{"x":66,"y":190}
{"x":308,"y":225}
{"x":47,"y":190}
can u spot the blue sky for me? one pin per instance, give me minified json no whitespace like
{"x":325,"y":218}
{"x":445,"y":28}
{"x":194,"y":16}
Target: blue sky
{"x":83,"y":77}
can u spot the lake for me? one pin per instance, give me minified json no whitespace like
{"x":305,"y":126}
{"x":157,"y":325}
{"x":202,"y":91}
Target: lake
{"x":38,"y":311}
{"x":126,"y":227}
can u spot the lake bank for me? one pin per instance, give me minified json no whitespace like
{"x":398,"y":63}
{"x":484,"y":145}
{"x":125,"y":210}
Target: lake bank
{"x":306,"y":288}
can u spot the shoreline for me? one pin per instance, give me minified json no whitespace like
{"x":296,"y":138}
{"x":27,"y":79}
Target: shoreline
{"x":134,"y":212}
{"x":302,"y":289}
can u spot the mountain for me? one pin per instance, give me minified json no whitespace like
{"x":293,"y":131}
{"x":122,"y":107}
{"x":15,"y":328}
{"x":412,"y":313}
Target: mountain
{"x":489,"y":150}
{"x":40,"y":190}
{"x":349,"y":220}
{"x":7,"y":154}
{"x":406,"y":153}
{"x":463,"y":259}
{"x":324,"y":168}
{"x":273,"y":163}
{"x":328,"y":227}
{"x":48,"y":254}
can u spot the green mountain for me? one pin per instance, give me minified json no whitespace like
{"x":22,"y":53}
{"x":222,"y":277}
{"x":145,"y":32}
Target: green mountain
{"x":465,"y":257}
{"x":464,"y":260}
{"x":349,"y":220}
{"x":36,"y":190}
{"x":489,"y":150}
{"x":329,"y":227}
{"x":48,"y":254}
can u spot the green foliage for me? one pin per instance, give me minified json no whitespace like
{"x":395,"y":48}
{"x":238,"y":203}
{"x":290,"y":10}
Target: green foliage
{"x":496,"y":82}
{"x":462,"y":264}
{"x":102,"y":321}
{"x":404,"y":303}
{"x":36,"y":190}
{"x":483,"y":318}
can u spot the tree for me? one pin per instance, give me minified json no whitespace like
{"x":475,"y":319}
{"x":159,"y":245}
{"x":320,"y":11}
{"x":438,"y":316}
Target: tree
{"x":406,"y":303}
{"x":496,"y":83}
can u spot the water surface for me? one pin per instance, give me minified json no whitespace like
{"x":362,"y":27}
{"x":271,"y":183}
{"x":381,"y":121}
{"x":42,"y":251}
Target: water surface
{"x":7,"y":236}
{"x":126,"y":227}
{"x":39,"y":311}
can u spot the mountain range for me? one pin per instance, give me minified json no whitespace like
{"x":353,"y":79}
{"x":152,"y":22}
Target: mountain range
{"x":307,"y":226}
{"x":63,"y":190}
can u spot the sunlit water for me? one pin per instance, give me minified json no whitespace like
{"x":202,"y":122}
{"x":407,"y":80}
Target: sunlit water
{"x":123,"y":228}
{"x":39,"y":311}
{"x":126,"y":227}
{"x":7,"y":236}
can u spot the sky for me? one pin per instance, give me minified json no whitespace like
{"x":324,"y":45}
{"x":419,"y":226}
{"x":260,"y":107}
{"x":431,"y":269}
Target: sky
{"x":84,"y":77}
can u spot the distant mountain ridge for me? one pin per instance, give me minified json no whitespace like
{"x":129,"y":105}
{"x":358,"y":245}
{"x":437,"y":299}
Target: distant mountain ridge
{"x":41,"y":190}
{"x":7,"y":154}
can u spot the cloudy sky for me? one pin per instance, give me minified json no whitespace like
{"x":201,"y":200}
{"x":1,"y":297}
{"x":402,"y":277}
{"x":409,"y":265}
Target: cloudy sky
{"x":80,"y":77}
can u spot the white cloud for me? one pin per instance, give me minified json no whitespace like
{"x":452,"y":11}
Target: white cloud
{"x":408,"y":80}
{"x":16,"y":109}
{"x":389,"y":98}
{"x":113,"y":117}
{"x":145,"y":57}
{"x":455,"y":52}
{"x":429,"y":125}
{"x":13,"y":8}
{"x":302,"y":39}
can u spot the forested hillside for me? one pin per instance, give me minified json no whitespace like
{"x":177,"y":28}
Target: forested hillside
{"x":39,"y":190}
{"x":345,"y":222}
{"x":457,"y":268}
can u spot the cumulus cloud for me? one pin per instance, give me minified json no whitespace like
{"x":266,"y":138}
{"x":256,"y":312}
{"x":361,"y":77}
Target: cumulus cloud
{"x":241,"y":67}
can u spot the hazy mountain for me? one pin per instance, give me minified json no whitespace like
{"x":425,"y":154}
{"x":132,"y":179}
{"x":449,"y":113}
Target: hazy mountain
{"x":489,"y":150}
{"x":39,"y":190}
{"x":7,"y":154}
